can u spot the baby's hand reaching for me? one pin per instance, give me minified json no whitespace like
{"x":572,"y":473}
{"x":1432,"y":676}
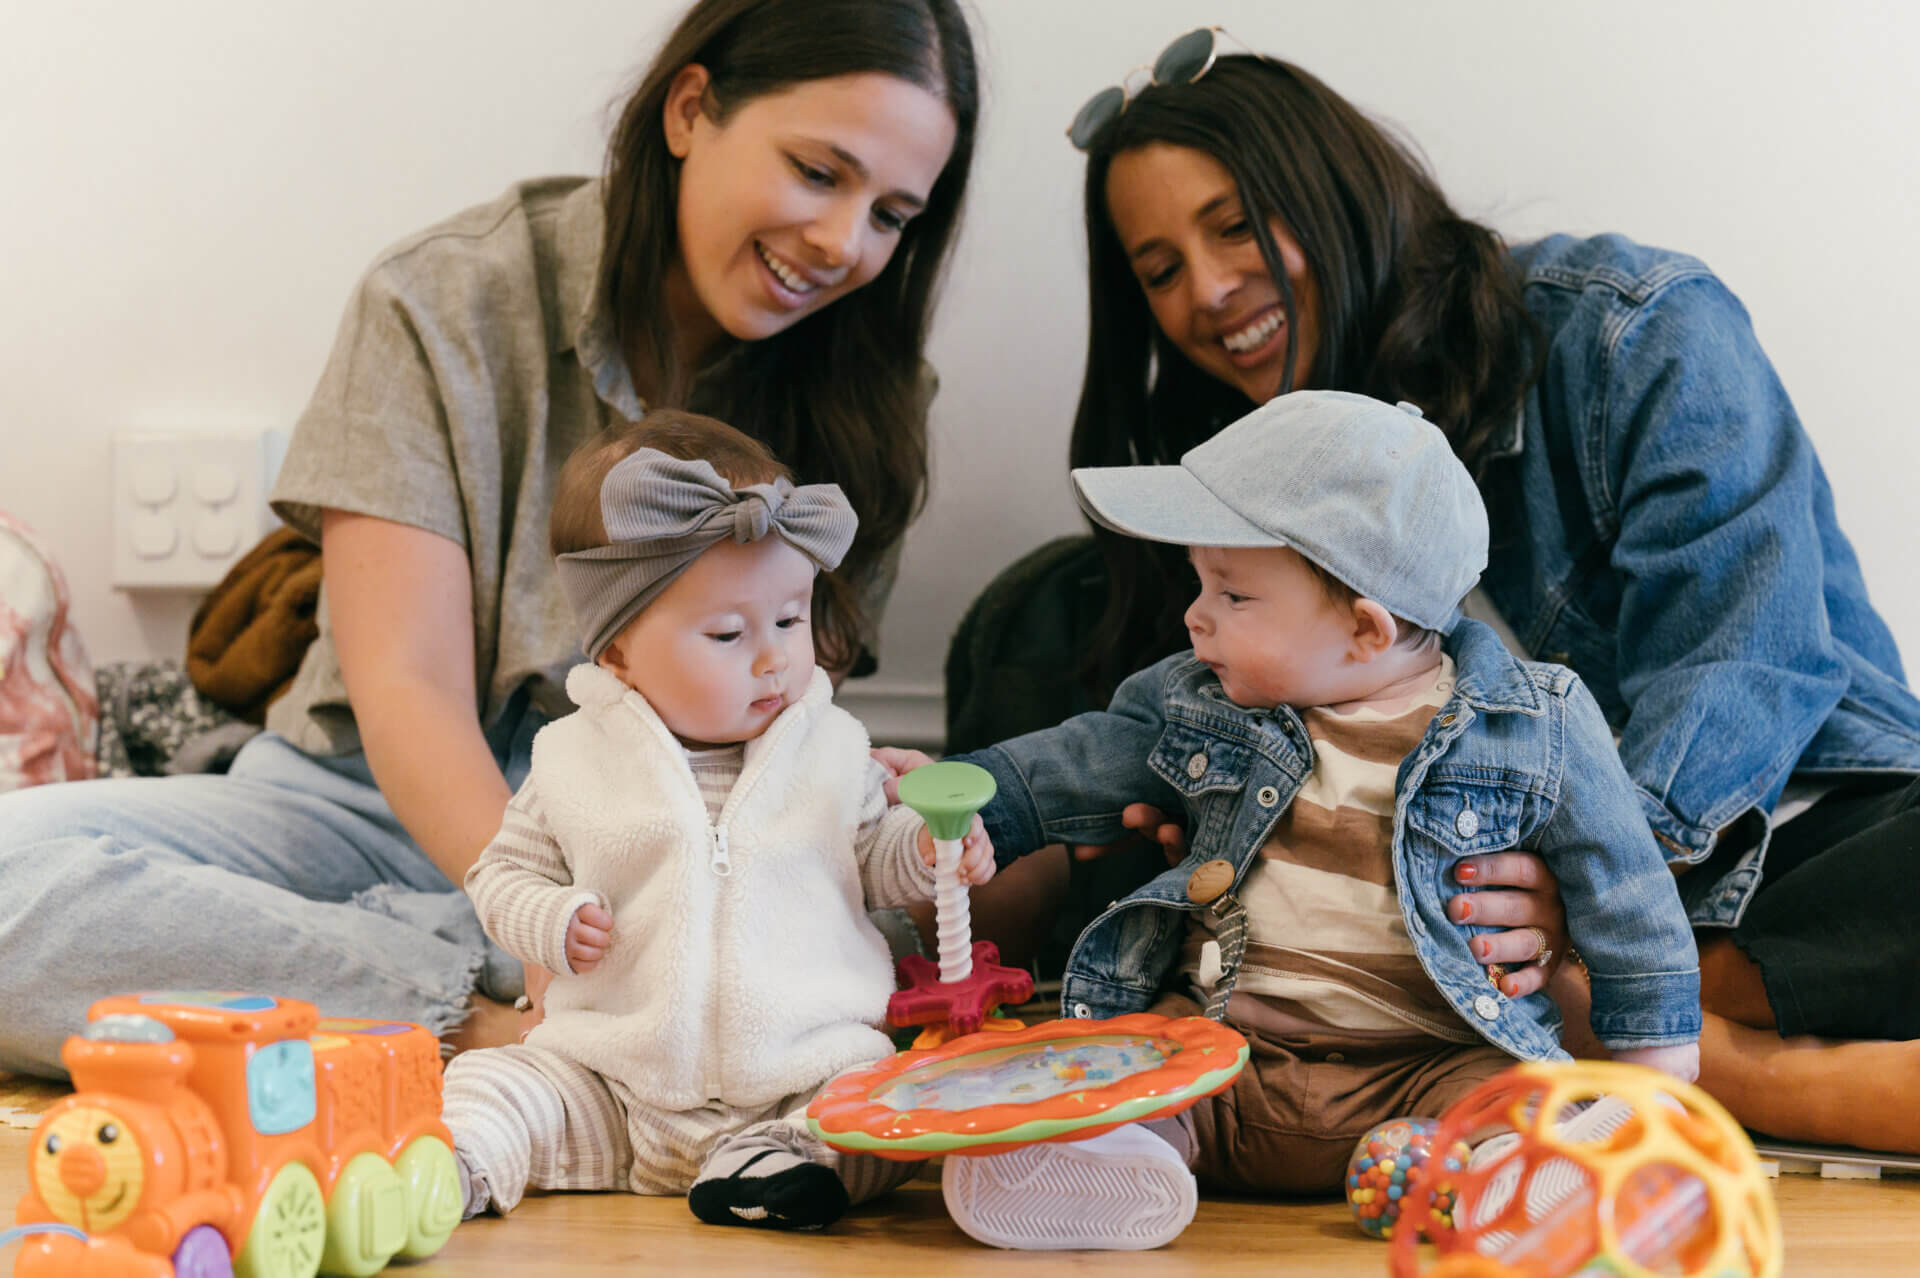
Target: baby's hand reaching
{"x":898,"y":762}
{"x":976,"y":853}
{"x":1682,"y":1062}
{"x":589,"y":935}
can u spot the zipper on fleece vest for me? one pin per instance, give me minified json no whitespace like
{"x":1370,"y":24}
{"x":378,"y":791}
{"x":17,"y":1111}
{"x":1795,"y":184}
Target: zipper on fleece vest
{"x":721,"y":866}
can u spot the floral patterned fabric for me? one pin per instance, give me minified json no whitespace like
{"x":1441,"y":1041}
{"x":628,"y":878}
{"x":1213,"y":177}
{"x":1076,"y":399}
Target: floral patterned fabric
{"x":153,"y":722}
{"x":49,"y":715}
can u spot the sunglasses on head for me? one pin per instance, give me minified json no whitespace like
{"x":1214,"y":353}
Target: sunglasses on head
{"x":1183,"y":61}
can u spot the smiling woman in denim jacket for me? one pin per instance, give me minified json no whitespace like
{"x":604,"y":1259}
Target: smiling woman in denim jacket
{"x":1660,"y":524}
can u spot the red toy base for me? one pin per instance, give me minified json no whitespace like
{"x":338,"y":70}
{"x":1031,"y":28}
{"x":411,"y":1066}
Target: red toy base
{"x":963,"y":1005}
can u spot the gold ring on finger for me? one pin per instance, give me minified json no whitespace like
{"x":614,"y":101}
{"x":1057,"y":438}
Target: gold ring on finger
{"x":1544,"y":954}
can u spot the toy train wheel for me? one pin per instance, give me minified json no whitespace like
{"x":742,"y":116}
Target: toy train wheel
{"x":366,"y":1218}
{"x":432,"y":1178}
{"x":289,"y":1231}
{"x":202,"y":1253}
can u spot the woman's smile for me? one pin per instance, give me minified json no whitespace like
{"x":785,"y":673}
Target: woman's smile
{"x":791,"y":286}
{"x":1258,"y":340}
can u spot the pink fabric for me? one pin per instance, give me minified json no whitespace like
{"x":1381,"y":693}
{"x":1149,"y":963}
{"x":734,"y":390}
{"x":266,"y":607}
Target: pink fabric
{"x":49,"y":716}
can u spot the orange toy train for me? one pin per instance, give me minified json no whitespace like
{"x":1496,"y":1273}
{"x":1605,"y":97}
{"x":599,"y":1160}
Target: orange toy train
{"x":218,"y":1134}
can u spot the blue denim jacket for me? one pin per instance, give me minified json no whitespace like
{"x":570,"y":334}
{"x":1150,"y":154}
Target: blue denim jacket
{"x":1518,"y":757}
{"x":1670,"y":535}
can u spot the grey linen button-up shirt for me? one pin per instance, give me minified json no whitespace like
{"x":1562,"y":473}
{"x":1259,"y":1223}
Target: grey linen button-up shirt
{"x":473,"y":359}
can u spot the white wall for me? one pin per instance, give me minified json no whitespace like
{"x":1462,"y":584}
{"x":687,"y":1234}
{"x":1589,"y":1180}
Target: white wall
{"x":188,"y":191}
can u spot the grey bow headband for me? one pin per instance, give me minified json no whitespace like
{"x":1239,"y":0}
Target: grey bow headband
{"x":661,"y":512}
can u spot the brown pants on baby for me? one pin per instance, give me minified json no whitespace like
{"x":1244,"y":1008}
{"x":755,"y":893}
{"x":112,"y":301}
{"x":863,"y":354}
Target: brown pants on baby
{"x":1290,"y":1121}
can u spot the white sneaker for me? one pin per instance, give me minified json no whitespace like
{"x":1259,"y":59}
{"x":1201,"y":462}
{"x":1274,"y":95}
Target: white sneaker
{"x":1126,"y":1190}
{"x":1592,"y":1123}
{"x":1554,"y":1181}
{"x":1597,"y":1121}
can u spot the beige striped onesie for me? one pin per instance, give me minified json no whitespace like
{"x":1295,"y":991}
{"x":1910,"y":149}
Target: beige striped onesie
{"x":1327,"y":948}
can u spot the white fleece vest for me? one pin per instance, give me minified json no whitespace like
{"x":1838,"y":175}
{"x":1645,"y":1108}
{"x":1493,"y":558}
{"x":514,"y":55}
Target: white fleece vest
{"x":744,"y":986}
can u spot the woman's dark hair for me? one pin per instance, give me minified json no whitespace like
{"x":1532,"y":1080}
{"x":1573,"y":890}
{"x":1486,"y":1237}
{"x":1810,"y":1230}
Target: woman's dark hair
{"x":1418,"y":304}
{"x":577,"y":522}
{"x":838,"y":396}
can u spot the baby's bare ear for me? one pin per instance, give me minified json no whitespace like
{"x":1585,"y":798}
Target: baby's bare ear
{"x":1374,"y":629}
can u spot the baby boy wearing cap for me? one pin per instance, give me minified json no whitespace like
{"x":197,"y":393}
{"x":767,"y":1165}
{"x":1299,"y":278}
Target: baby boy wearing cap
{"x":693,"y":853}
{"x":1336,"y":739}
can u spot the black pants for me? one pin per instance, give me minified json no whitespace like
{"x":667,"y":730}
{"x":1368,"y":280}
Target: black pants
{"x":1835,"y":924}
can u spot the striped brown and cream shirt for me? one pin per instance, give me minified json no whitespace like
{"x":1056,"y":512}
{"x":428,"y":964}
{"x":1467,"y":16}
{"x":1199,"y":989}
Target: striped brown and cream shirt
{"x":1326,"y":946}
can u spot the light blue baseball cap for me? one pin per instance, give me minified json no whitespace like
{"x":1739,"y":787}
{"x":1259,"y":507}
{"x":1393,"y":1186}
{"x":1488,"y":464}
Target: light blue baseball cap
{"x":1367,"y":490}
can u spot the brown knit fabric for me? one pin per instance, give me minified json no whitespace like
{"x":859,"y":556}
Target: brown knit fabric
{"x":249,"y":635}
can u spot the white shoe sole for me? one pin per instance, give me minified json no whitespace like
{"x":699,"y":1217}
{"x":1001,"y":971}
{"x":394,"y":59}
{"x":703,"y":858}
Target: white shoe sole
{"x":1554,"y":1180}
{"x":1058,"y":1197}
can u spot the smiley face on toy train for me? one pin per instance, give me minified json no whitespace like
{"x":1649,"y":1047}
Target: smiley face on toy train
{"x":88,"y":1168}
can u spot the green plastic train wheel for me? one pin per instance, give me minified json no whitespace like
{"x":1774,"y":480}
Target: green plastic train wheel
{"x":366,"y":1218}
{"x":289,"y":1229}
{"x":432,"y":1178}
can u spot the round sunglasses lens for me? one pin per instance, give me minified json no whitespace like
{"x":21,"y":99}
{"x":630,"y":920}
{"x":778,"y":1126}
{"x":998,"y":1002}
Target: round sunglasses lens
{"x":1182,"y":61}
{"x":1096,"y":115}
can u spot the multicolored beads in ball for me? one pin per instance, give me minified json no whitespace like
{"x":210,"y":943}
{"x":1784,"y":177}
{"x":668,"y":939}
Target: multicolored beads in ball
{"x":1389,"y":1170}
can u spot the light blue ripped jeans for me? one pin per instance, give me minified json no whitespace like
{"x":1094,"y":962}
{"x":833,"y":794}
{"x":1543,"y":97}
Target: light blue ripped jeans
{"x":288,"y":875}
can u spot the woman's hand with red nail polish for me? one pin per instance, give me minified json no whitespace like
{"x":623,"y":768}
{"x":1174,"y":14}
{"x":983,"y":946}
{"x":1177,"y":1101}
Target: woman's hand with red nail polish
{"x":1517,"y":892}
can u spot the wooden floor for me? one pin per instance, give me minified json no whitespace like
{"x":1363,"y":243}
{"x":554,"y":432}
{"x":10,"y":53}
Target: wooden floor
{"x":1834,"y":1229}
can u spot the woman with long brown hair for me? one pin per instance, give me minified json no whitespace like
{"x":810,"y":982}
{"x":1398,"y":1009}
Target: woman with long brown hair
{"x":780,"y":196}
{"x":1660,"y":523}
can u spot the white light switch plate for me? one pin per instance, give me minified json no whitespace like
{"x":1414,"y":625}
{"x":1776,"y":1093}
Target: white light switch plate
{"x":187,"y":505}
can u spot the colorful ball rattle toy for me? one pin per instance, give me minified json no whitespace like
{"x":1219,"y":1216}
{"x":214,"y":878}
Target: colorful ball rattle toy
{"x":955,"y":997}
{"x":1610,"y":1169}
{"x":1393,"y":1168}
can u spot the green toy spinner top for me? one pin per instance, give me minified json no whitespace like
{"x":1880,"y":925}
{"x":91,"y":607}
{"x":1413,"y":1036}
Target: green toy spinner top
{"x":946,"y":795}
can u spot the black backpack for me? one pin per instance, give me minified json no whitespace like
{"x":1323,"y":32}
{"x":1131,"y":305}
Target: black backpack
{"x":1013,"y":664}
{"x":1012,"y":668}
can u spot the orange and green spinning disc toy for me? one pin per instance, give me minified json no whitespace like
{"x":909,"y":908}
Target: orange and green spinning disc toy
{"x":967,"y":1092}
{"x":997,"y":1090}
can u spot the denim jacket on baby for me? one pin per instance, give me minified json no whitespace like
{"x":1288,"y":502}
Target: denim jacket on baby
{"x":1671,"y":536}
{"x":1518,"y":757}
